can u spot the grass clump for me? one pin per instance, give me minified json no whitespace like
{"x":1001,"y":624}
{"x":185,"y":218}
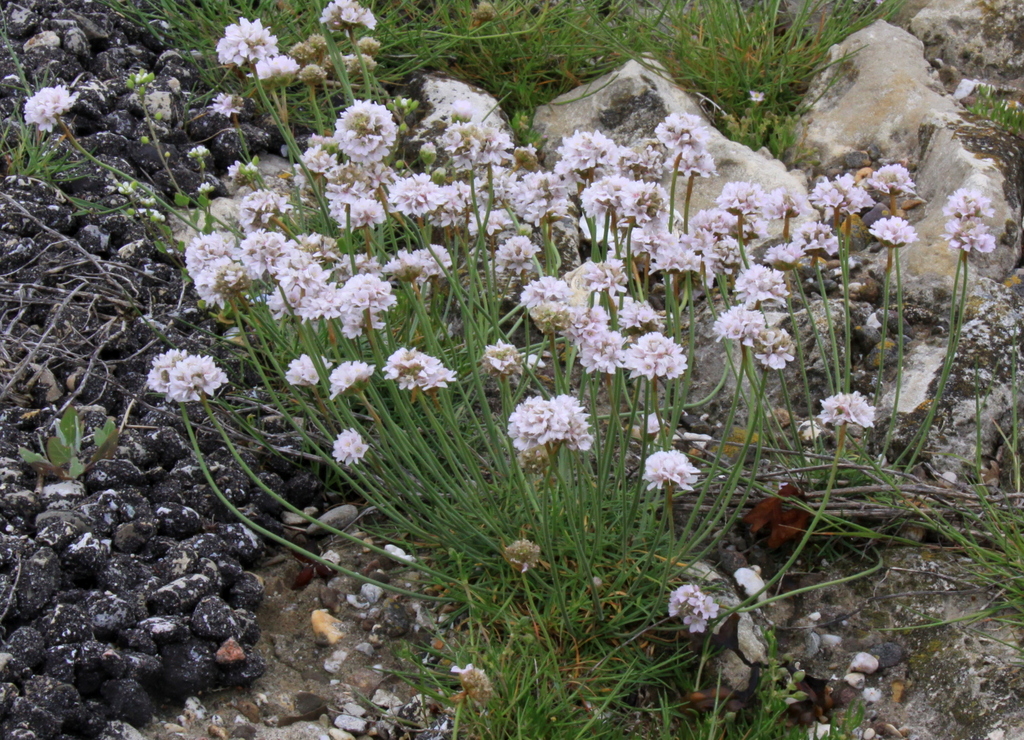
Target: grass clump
{"x":516,"y":427}
{"x":524,"y":52}
{"x":753,"y":61}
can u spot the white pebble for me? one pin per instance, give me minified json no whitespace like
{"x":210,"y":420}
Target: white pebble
{"x":349,"y":723}
{"x":814,"y":616}
{"x":856,"y":680}
{"x":750,"y":582}
{"x":816,"y":730}
{"x":399,"y":554}
{"x":371,"y":593}
{"x":831,"y":640}
{"x":335,"y":660}
{"x":872,"y":695}
{"x":869,"y":734}
{"x":864,"y":663}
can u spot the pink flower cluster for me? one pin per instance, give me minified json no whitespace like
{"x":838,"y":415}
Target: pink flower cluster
{"x":417,"y":370}
{"x":560,"y":420}
{"x":184,"y":377}
{"x":693,"y":606}
{"x":847,"y":408}
{"x":671,"y":468}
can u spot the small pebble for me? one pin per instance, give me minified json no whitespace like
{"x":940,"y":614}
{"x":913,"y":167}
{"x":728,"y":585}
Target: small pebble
{"x":334,"y":662}
{"x":337,"y":734}
{"x":371,"y":593}
{"x":856,"y":680}
{"x":326,"y":629}
{"x":869,"y":734}
{"x":864,"y":663}
{"x":350,"y":724}
{"x":365,"y":648}
{"x":831,"y":640}
{"x":750,"y":582}
{"x":872,"y":695}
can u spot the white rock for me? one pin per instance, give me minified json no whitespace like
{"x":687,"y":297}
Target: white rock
{"x":817,"y":730}
{"x":337,"y":734}
{"x":856,"y":680}
{"x":872,"y":695}
{"x":830,"y":640}
{"x":335,"y":660}
{"x":869,"y":734}
{"x":371,"y":593}
{"x":965,"y":88}
{"x":399,"y":554}
{"x":864,"y":663}
{"x":354,"y":709}
{"x":750,"y":582}
{"x":386,"y":699}
{"x":976,"y":36}
{"x":365,"y":648}
{"x":879,"y":95}
{"x":350,"y":724}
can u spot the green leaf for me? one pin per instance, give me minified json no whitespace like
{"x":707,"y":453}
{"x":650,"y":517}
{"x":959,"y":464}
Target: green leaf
{"x":181,"y":200}
{"x":57,"y":452}
{"x":39,"y":463}
{"x":75,"y":469}
{"x":106,"y":442}
{"x":70,"y":429}
{"x":30,"y":457}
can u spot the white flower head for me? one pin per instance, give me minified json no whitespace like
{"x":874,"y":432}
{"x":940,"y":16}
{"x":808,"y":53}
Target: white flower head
{"x":841,"y":196}
{"x":694,"y":607}
{"x":847,"y":408}
{"x":654,"y":355}
{"x":417,"y":370}
{"x":515,"y":255}
{"x":670,"y":468}
{"x":346,"y":15}
{"x":226,"y":104}
{"x":893,"y":231}
{"x":44,"y":109}
{"x":892,"y":179}
{"x":560,"y":420}
{"x":502,"y":360}
{"x":302,"y":370}
{"x":246,"y":41}
{"x":349,"y":447}
{"x":365,"y":132}
{"x":184,"y":377}
{"x":969,"y":235}
{"x":349,"y":376}
{"x":740,"y":324}
{"x":760,"y":285}
{"x":277,"y":70}
{"x":966,"y":204}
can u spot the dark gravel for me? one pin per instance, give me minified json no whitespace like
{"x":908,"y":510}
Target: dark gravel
{"x":131,"y":586}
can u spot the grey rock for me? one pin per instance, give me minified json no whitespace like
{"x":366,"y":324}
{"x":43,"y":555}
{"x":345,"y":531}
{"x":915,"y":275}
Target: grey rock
{"x":879,"y":95}
{"x":339,"y":517}
{"x":626,"y":105}
{"x":979,"y":38}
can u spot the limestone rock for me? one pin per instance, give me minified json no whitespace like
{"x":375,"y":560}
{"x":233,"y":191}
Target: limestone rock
{"x":978,"y":37}
{"x":991,"y":333}
{"x":626,"y":105}
{"x":963,"y":153}
{"x":437,"y":95}
{"x":878,"y":95}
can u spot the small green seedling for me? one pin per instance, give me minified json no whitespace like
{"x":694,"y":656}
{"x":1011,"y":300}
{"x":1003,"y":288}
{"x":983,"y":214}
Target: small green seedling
{"x":62,"y":451}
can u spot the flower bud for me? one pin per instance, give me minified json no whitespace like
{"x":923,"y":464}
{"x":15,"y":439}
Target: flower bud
{"x":522,"y":555}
